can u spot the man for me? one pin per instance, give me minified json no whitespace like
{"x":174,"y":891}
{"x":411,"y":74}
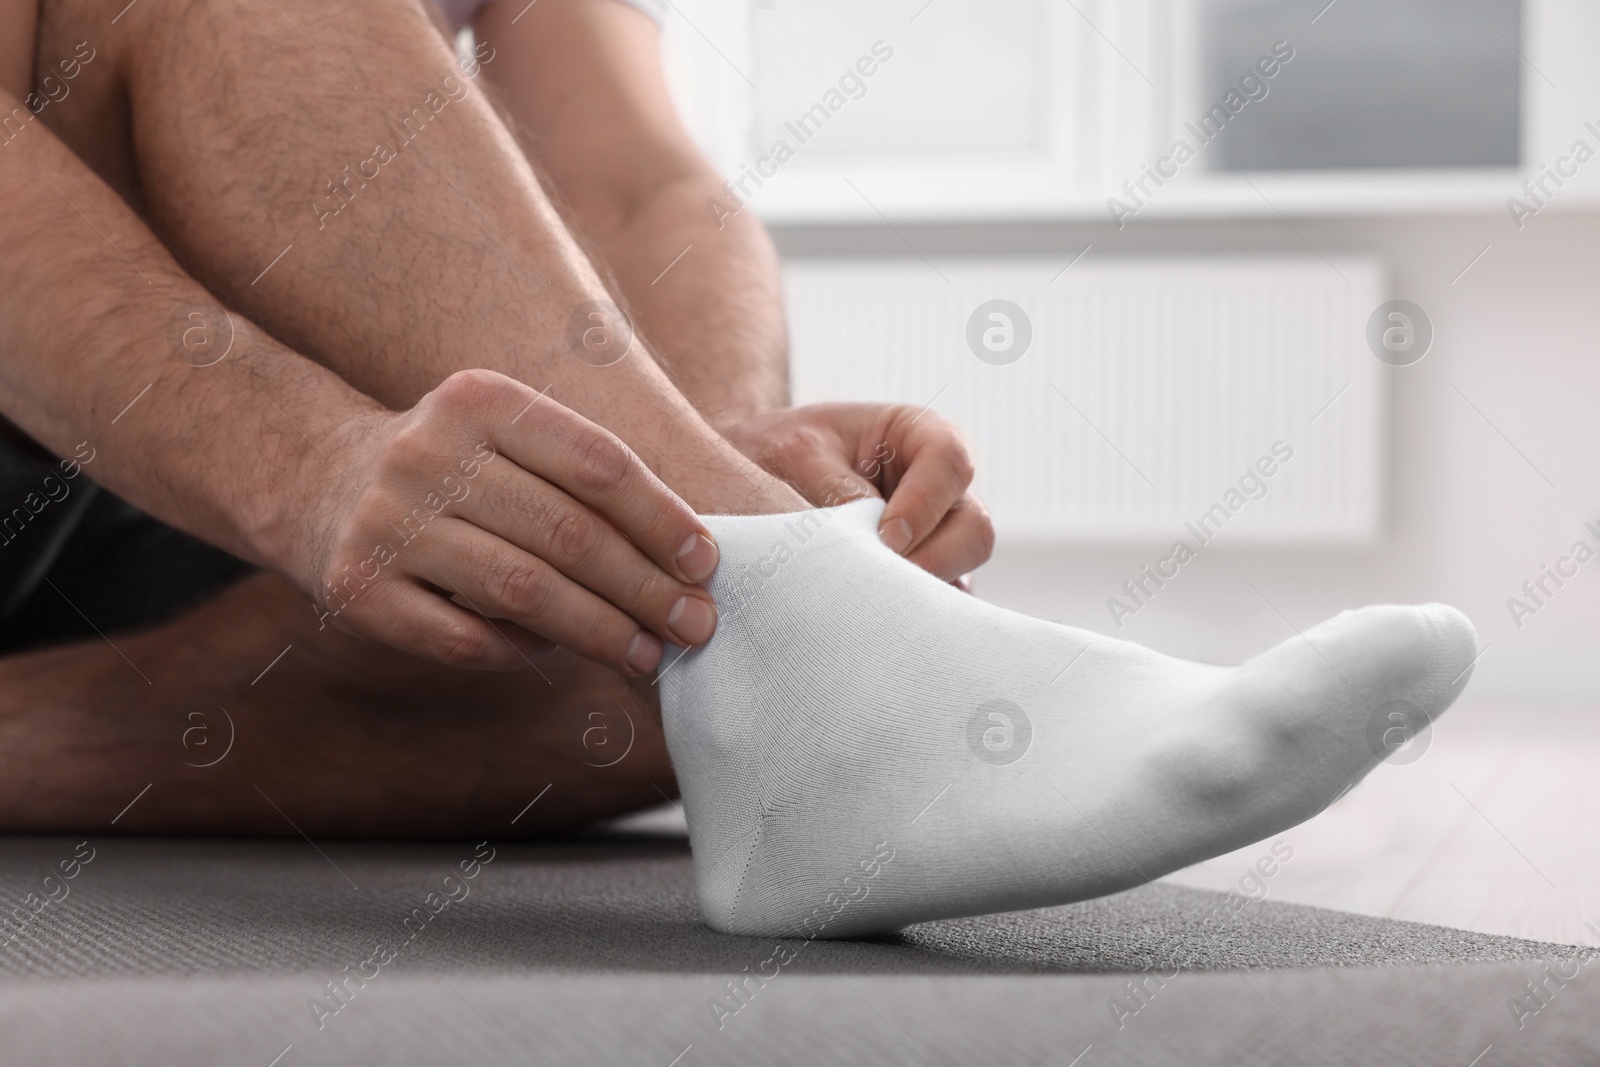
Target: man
{"x":155,"y":152}
{"x":279,"y":274}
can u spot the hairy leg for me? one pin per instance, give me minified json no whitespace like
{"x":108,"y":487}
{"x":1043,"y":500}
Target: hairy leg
{"x":341,"y":736}
{"x":330,"y":171}
{"x":223,"y":125}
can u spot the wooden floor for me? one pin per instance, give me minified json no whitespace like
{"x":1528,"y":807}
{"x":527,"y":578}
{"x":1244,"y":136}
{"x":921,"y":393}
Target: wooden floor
{"x":1494,"y":828}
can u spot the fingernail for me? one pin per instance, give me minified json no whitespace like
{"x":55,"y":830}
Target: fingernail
{"x":692,"y":621}
{"x":644,"y":652}
{"x":897,"y":535}
{"x":698,"y":557}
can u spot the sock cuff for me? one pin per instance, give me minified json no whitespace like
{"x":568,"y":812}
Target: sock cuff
{"x":745,"y":525}
{"x":762,"y":553}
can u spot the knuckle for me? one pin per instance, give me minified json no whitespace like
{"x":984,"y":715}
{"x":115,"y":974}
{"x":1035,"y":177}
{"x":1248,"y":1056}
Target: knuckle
{"x":521,"y":587}
{"x":900,"y":421}
{"x":909,"y":413}
{"x":412,"y":439}
{"x":573,"y":536}
{"x":650,"y":593}
{"x":461,"y":646}
{"x":411,"y":445}
{"x":800,"y":440}
{"x":983,"y":527}
{"x":964,"y":467}
{"x":471,"y":390}
{"x":603,"y":461}
{"x":961,"y":464}
{"x":608,"y":634}
{"x":663,"y":531}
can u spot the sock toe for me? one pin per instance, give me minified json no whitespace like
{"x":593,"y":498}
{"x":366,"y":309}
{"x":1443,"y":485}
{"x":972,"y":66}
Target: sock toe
{"x":1455,"y":641}
{"x":1423,"y":654}
{"x":1332,"y":702}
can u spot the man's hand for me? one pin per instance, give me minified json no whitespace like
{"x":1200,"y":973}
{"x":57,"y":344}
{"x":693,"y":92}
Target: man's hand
{"x":915,"y":458}
{"x":488,"y":501}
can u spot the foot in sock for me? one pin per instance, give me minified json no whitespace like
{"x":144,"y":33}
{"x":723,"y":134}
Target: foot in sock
{"x":861,"y":746}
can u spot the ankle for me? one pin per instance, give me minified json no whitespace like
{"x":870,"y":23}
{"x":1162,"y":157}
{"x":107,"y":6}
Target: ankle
{"x":739,"y":487}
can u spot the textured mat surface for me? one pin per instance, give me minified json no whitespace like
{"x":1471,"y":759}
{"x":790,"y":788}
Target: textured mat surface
{"x":146,"y":906}
{"x":1357,"y":1016}
{"x":589,"y":950}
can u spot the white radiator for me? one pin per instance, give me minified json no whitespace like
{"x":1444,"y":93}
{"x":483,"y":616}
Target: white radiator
{"x":1148,"y":391}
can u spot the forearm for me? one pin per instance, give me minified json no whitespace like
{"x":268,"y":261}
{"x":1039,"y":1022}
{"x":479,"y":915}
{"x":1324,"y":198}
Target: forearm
{"x":715,"y":316}
{"x":93,"y":314}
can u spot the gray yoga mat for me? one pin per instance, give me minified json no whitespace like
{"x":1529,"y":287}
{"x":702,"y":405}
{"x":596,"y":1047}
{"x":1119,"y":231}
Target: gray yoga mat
{"x":589,"y":949}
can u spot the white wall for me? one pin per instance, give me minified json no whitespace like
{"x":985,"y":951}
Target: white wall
{"x":1470,"y":518}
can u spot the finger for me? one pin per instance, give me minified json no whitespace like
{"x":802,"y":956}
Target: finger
{"x":539,"y":518}
{"x":931,"y":469}
{"x":501,"y":581}
{"x":406,"y":616}
{"x":961,"y":543}
{"x":821,"y":471}
{"x":588,"y":461}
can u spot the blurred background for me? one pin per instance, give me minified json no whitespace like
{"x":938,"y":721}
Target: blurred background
{"x":1195,"y":214}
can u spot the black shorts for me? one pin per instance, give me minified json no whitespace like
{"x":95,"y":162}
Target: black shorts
{"x":75,"y":559}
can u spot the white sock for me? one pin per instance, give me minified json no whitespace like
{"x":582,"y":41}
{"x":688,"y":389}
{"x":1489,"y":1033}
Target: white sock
{"x":862,"y":746}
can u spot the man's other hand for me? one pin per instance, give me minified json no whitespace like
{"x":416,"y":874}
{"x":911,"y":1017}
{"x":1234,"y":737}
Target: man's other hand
{"x":913,"y":457}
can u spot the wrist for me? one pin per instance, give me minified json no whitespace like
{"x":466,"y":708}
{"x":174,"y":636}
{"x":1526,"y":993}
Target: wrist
{"x":287,"y":525}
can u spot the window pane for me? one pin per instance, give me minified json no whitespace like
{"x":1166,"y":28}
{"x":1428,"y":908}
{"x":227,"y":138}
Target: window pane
{"x":1373,"y":83}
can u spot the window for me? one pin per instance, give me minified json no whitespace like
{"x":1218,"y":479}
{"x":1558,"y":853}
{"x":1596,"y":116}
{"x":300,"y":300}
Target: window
{"x":1374,"y":83}
{"x":833,"y":110}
